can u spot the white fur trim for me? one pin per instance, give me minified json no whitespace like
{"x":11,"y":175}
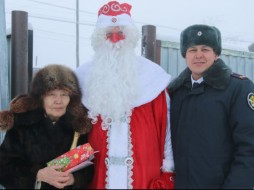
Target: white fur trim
{"x":168,"y":165}
{"x":168,"y":161}
{"x":119,"y":20}
{"x":117,"y":177}
{"x":119,"y":140}
{"x":153,"y":79}
{"x":118,"y":147}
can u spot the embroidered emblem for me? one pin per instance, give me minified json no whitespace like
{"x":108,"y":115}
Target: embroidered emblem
{"x":199,"y":33}
{"x":250,"y":99}
{"x":114,"y":19}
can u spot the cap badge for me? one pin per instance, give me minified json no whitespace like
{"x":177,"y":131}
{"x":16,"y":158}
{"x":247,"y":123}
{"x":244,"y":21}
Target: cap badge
{"x":114,"y":19}
{"x":199,"y":33}
{"x":250,"y":99}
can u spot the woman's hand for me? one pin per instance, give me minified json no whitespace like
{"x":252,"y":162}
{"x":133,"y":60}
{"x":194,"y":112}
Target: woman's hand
{"x":54,"y":177}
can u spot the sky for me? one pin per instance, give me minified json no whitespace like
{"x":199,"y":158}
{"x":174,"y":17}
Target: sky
{"x":54,"y":24}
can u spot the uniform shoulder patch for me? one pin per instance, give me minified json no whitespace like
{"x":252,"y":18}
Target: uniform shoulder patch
{"x":242,"y":77}
{"x":250,"y":100}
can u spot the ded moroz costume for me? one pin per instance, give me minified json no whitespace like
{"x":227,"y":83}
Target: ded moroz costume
{"x":126,"y":98}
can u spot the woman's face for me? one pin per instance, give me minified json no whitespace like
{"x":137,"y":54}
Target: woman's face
{"x":55,"y":103}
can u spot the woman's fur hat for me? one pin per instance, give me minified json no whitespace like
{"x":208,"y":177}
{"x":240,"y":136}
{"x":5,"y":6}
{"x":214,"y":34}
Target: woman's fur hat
{"x":200,"y":35}
{"x":53,"y":76}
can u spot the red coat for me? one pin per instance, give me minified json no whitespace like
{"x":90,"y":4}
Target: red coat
{"x":148,"y":130}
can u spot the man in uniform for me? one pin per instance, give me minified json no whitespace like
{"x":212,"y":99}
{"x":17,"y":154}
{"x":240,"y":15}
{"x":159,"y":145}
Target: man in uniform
{"x":212,"y":117}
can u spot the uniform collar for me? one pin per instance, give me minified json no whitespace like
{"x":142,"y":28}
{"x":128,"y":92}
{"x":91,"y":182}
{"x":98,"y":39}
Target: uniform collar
{"x":217,"y":76}
{"x":200,"y":80}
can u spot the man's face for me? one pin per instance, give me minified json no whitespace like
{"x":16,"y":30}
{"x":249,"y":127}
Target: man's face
{"x":199,"y":58}
{"x":115,"y":34}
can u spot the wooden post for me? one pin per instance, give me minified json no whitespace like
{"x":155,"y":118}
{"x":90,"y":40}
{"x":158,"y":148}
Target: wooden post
{"x":19,"y":53}
{"x":30,"y":57}
{"x":148,"y":46}
{"x":158,"y":52}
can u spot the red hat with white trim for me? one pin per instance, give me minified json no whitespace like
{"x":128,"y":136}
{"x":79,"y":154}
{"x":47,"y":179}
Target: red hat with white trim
{"x":114,"y":14}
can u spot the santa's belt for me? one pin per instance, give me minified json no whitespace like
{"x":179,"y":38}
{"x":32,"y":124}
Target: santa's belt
{"x":114,"y":160}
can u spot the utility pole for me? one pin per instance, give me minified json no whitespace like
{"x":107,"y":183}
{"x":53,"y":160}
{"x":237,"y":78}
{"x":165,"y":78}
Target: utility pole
{"x":77,"y":33}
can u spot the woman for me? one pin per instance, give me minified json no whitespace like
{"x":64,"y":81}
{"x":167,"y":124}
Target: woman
{"x":41,"y":126}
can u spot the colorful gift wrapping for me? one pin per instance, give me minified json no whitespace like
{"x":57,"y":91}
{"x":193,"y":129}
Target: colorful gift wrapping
{"x":73,"y":157}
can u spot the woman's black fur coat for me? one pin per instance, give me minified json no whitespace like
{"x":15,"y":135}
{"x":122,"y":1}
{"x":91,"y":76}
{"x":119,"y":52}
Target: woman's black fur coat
{"x":30,"y":144}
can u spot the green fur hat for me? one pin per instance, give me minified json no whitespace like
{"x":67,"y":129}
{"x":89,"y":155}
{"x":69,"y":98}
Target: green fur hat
{"x":200,"y":35}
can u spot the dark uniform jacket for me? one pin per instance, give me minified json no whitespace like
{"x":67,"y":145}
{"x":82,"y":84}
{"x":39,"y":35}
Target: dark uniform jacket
{"x":30,"y":144}
{"x":213,"y":130}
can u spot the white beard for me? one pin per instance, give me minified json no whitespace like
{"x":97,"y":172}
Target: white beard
{"x":112,"y":83}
